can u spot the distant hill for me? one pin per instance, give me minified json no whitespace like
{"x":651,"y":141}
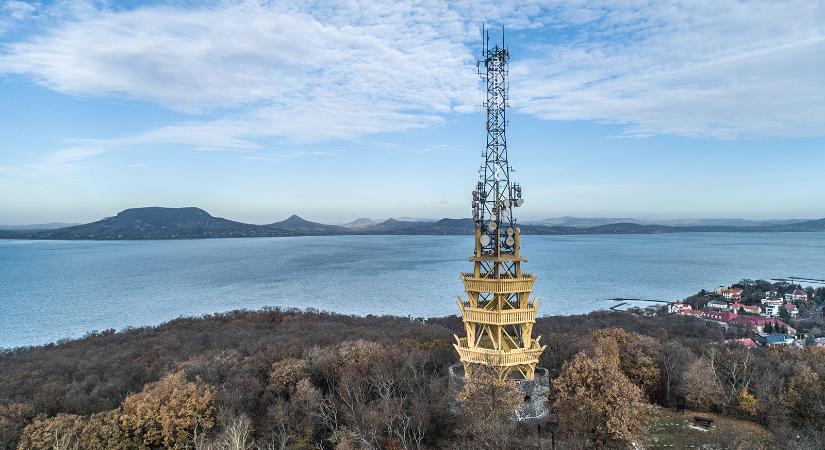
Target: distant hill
{"x":37,"y":226}
{"x":360,"y":223}
{"x":300,"y":225}
{"x":160,"y":223}
{"x":392,"y":226}
{"x":568,"y":221}
{"x":584,"y":222}
{"x":195,"y":223}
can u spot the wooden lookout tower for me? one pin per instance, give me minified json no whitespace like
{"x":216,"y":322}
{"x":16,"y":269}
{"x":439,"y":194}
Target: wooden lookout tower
{"x":498,"y":312}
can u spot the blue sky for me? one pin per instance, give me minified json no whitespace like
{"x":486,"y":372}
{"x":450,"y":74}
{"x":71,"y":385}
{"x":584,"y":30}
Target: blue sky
{"x":338,"y":110}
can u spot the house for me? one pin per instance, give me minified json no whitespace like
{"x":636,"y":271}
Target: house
{"x":732,"y":293}
{"x":792,"y":310}
{"x":820,"y":342}
{"x":719,"y":316}
{"x":777,"y":339}
{"x":692,"y":312}
{"x":718,"y":304}
{"x":772,"y":310}
{"x":744,"y":342}
{"x":677,"y":307}
{"x":758,"y":323}
{"x":750,"y":309}
{"x":772,"y":301}
{"x":796,"y":296}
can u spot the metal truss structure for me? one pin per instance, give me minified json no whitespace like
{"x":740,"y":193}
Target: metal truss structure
{"x":498,"y":312}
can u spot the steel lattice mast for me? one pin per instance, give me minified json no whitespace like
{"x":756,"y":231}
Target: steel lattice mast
{"x":498,"y":313}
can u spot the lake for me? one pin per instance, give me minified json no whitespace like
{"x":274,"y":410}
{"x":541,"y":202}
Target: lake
{"x":51,"y":290}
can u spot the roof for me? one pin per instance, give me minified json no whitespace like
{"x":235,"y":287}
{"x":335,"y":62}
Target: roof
{"x":745,"y":342}
{"x":776,"y":339}
{"x":800,"y":292}
{"x":789,"y":306}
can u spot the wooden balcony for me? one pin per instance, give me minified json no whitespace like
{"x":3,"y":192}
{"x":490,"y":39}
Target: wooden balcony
{"x":504,"y":317}
{"x":501,"y":358}
{"x":498,"y":285}
{"x":502,"y":257}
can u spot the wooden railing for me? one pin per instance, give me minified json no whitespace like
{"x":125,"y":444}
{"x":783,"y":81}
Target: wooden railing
{"x":505,"y":317}
{"x":498,"y":357}
{"x":498,"y":285}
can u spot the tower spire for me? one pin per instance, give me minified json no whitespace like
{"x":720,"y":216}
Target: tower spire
{"x":498,"y":312}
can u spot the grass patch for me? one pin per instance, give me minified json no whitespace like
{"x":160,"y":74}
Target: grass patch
{"x":671,"y":430}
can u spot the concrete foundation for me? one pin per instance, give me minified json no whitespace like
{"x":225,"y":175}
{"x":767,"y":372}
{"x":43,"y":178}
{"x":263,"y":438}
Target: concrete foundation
{"x":535,"y":391}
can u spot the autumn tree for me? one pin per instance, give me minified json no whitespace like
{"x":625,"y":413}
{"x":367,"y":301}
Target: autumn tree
{"x":701,"y":385}
{"x":169,"y":412}
{"x":488,"y":409}
{"x":103,"y":431}
{"x":597,"y":402}
{"x":674,"y":359}
{"x":638,"y":357}
{"x":13,"y":418}
{"x":60,"y":432}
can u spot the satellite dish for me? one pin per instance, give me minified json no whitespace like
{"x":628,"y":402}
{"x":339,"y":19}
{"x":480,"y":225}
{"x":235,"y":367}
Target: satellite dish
{"x":506,"y":203}
{"x":510,"y":241}
{"x":492,"y":217}
{"x":509,"y":232}
{"x":519,"y":202}
{"x":492,"y":226}
{"x":485,"y":240}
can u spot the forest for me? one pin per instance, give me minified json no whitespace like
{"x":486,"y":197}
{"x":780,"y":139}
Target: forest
{"x":286,"y":379}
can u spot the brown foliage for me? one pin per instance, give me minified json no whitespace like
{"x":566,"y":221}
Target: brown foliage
{"x":61,"y":432}
{"x":638,"y":357}
{"x":13,"y":418}
{"x":597,"y":402}
{"x":488,"y":408}
{"x":169,"y":412}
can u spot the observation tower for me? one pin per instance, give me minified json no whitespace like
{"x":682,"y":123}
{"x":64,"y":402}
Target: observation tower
{"x":498,"y":313}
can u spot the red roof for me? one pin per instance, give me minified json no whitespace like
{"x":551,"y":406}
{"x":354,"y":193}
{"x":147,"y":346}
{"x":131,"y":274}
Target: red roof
{"x":789,"y":306}
{"x":746,"y":342}
{"x":723,"y":316}
{"x":757,"y":321}
{"x":800,"y":292}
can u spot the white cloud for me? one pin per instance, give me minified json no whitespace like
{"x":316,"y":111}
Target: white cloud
{"x":714,"y":69}
{"x":272,"y":72}
{"x":13,"y":12}
{"x":309,"y":71}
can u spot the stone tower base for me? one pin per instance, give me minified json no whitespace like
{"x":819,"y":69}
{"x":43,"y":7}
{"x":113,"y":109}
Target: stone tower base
{"x":535,"y":392}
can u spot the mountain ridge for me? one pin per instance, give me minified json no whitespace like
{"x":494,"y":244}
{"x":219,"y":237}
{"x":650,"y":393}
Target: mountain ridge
{"x":195,"y":223}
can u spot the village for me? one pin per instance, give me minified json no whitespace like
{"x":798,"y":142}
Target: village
{"x":761,"y":313}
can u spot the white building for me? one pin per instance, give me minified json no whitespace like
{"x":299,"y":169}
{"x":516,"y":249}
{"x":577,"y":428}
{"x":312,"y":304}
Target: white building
{"x":796,"y":296}
{"x":772,"y":309}
{"x":718,"y":304}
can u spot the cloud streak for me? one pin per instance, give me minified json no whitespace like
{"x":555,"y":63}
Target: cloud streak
{"x":302,"y":72}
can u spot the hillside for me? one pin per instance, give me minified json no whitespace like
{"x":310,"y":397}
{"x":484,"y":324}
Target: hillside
{"x":160,"y":223}
{"x":299,"y":225}
{"x":195,"y":223}
{"x":360,"y":223}
{"x":273,"y":370}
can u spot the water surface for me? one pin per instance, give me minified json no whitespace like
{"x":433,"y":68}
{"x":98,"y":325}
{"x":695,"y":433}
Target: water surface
{"x":58,"y":289}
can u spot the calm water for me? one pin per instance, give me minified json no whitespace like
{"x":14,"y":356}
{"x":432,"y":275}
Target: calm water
{"x":57,"y":289}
